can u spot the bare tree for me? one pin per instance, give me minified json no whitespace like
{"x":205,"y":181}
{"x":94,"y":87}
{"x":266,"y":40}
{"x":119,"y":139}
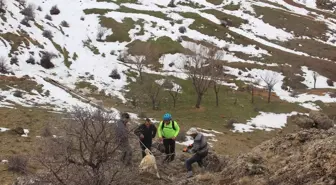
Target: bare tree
{"x":85,"y":154}
{"x":173,"y":90}
{"x":139,"y":62}
{"x":101,"y":31}
{"x":252,"y":88}
{"x":270,"y":78}
{"x":217,"y":76}
{"x":315,"y":75}
{"x":153,"y":90}
{"x":200,"y":68}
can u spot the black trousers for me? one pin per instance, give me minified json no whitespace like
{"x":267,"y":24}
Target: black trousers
{"x":148,"y":145}
{"x":169,"y":149}
{"x":195,"y":158}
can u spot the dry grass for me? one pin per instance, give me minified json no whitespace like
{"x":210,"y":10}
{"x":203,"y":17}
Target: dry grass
{"x":312,"y":47}
{"x":300,"y":25}
{"x":10,"y":145}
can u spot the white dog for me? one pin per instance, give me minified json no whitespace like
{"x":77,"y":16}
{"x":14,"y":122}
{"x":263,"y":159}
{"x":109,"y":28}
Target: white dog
{"x":149,"y":161}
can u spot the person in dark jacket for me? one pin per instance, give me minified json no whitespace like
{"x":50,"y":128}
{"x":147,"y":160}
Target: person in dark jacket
{"x":146,"y":132}
{"x":199,"y":149}
{"x":122,"y":134}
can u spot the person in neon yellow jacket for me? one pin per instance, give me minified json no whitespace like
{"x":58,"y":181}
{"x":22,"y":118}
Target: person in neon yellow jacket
{"x":168,"y":130}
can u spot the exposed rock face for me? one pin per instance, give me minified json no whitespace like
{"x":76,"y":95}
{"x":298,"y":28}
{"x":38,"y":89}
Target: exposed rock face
{"x":321,"y":120}
{"x":306,"y":157}
{"x":314,"y":120}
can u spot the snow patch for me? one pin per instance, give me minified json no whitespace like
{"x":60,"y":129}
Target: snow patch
{"x":264,"y":121}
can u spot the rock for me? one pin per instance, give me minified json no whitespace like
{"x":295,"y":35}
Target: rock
{"x":212,"y":162}
{"x":321,"y":120}
{"x":303,"y":121}
{"x":18,"y":130}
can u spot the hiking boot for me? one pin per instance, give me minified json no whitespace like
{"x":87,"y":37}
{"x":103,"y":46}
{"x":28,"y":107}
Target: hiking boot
{"x":189,"y":174}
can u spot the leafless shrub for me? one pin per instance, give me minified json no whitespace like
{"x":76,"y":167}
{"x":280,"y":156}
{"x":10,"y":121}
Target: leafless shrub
{"x":82,"y":18}
{"x":54,"y":10}
{"x":39,"y":8}
{"x":101,"y":31}
{"x":47,"y":34}
{"x":18,"y":94}
{"x":86,"y":153}
{"x":122,"y":56}
{"x":2,"y":6}
{"x":25,"y":21}
{"x":22,"y":2}
{"x":46,"y":60}
{"x":4,"y":69}
{"x":14,"y":60}
{"x":330,"y":82}
{"x":270,"y":79}
{"x":65,"y":24}
{"x":139,"y":62}
{"x":115,"y":74}
{"x":172,"y":4}
{"x":230,"y":123}
{"x":182,"y":29}
{"x":29,"y":12}
{"x":48,"y":17}
{"x":31,"y":60}
{"x":18,"y":164}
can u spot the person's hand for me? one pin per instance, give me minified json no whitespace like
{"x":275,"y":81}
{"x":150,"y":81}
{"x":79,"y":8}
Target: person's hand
{"x":174,"y":138}
{"x":141,"y":136}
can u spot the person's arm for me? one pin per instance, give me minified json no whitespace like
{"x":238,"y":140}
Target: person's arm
{"x":177,"y":127}
{"x":138,"y":131}
{"x":159,"y":131}
{"x":154,"y":129}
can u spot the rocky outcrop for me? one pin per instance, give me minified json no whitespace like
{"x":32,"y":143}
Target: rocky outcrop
{"x":306,"y":157}
{"x":314,"y":120}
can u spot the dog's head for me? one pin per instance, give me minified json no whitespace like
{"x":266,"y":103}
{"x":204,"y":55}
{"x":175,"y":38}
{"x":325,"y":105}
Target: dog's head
{"x":147,"y":151}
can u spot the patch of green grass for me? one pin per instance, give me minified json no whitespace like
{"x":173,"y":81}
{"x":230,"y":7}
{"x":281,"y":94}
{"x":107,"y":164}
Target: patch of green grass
{"x":154,"y":49}
{"x":84,"y":84}
{"x":300,"y":25}
{"x":98,"y":11}
{"x":206,"y":27}
{"x":64,"y":52}
{"x":88,"y":44}
{"x":151,"y":13}
{"x":120,"y":30}
{"x":236,"y":21}
{"x":39,"y":26}
{"x":191,"y":4}
{"x":232,"y":6}
{"x":215,"y":2}
{"x":75,"y":56}
{"x":15,"y":41}
{"x":209,"y":116}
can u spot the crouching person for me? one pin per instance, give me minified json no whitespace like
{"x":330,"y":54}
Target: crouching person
{"x":199,"y":148}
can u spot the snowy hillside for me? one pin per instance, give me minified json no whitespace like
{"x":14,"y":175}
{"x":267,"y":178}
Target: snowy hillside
{"x":289,"y":40}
